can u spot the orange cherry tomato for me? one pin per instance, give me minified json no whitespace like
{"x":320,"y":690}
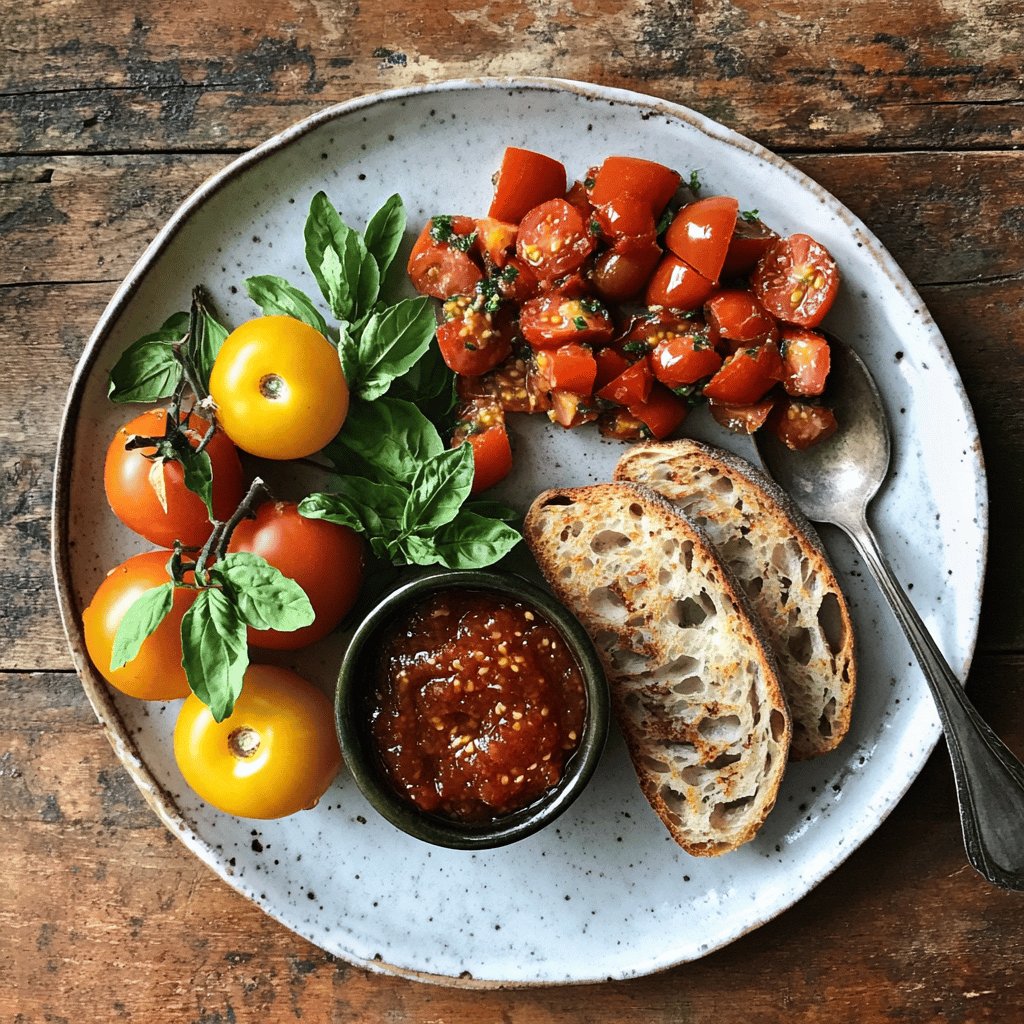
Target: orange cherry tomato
{"x":325,"y":559}
{"x":746,"y":376}
{"x":156,"y":672}
{"x":150,"y":497}
{"x":806,"y":360}
{"x":700,"y":234}
{"x":553,"y":240}
{"x":677,"y":285}
{"x":797,"y":281}
{"x":525,"y":180}
{"x":653,"y":183}
{"x":276,"y":754}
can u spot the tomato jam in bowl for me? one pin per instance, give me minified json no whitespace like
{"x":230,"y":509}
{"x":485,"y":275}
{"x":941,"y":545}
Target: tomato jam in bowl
{"x":471,"y":708}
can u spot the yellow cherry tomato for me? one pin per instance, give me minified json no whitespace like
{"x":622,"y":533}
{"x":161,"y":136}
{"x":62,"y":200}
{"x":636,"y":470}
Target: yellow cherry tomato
{"x":279,"y":388}
{"x":276,"y":754}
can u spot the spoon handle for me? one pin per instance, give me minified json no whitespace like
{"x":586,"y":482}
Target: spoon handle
{"x":989,"y":779}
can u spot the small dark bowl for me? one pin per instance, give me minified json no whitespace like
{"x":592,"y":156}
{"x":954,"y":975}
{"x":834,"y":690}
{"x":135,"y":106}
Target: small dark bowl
{"x":359,"y":750}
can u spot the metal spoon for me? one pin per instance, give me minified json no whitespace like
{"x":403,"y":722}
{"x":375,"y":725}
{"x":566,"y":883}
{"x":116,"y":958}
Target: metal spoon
{"x":833,"y":483}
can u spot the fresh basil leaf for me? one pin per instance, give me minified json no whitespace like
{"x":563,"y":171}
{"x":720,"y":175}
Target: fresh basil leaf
{"x":391,"y":435}
{"x":366,"y":506}
{"x":439,"y":487}
{"x":204,"y":343}
{"x":426,"y":379}
{"x":148,"y":369}
{"x":384,"y":230}
{"x":348,"y":350}
{"x":390,"y":344}
{"x":472,"y":541}
{"x":493,"y":510}
{"x":139,"y":622}
{"x":264,"y":596}
{"x":197,"y":470}
{"x":177,"y":323}
{"x":276,"y":297}
{"x":419,"y":551}
{"x":213,"y":651}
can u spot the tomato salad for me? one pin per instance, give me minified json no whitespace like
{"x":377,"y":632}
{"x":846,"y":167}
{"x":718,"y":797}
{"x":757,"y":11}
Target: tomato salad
{"x":609,"y":301}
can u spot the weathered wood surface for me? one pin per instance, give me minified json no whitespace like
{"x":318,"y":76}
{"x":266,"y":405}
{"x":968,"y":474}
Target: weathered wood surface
{"x":109,"y":117}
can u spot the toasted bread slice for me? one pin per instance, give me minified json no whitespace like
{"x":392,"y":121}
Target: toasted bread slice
{"x":692,"y":679}
{"x":777,"y":557}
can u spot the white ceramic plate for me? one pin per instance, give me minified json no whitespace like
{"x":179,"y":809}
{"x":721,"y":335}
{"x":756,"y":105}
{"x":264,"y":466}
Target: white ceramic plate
{"x":605,"y":893}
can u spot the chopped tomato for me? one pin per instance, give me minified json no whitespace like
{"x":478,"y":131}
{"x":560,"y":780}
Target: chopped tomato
{"x":570,"y":410}
{"x":806,"y":360}
{"x":579,"y":197}
{"x":677,"y":285}
{"x":797,"y":280}
{"x":517,"y":282}
{"x":622,"y":271}
{"x":514,"y":384}
{"x":798,"y":425}
{"x":701,"y":232}
{"x":656,"y":325}
{"x":746,"y":375}
{"x":495,"y":240}
{"x":525,"y":180}
{"x":742,"y":419}
{"x":654,"y":183}
{"x":553,"y":320}
{"x":684,"y":359}
{"x":444,"y":268}
{"x":618,"y":424}
{"x":632,"y":386}
{"x":471,"y":340}
{"x":569,"y":286}
{"x":751,"y":239}
{"x":482,"y":423}
{"x":661,"y":413}
{"x":609,"y":365}
{"x":736,"y":315}
{"x":624,"y":215}
{"x":569,"y":368}
{"x":553,"y":239}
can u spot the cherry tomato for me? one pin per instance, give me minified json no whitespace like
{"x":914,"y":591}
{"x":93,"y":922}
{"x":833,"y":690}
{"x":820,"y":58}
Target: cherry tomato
{"x":514,"y":385}
{"x":746,"y":375}
{"x":798,"y":425}
{"x":677,"y":285}
{"x":279,"y":388}
{"x":471,"y":340}
{"x":742,"y":419}
{"x":439,"y":269}
{"x":684,"y":359}
{"x":579,"y":197}
{"x":609,"y":365}
{"x":623,"y":216}
{"x":653,"y":183}
{"x":150,"y":497}
{"x":552,"y":320}
{"x":622,"y":271}
{"x":495,"y":240}
{"x":525,"y":180}
{"x":156,"y":672}
{"x":570,"y":410}
{"x":570,"y":367}
{"x":492,"y":457}
{"x":751,"y":239}
{"x":806,"y":360}
{"x":618,"y":424}
{"x":797,"y":281}
{"x":517,"y":281}
{"x":276,"y":754}
{"x":569,"y":286}
{"x":736,"y":315}
{"x":553,"y":239}
{"x":700,"y":234}
{"x":662,"y":413}
{"x":325,"y":559}
{"x":631,"y":387}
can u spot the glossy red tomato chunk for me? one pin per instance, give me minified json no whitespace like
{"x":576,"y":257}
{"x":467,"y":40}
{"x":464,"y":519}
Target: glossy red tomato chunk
{"x":477,"y":703}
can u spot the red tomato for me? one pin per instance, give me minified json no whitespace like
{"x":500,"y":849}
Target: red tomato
{"x":661,"y":413}
{"x":677,"y":285}
{"x":570,"y":410}
{"x":492,"y":457}
{"x":806,"y":360}
{"x":742,"y":419}
{"x":439,"y":269}
{"x":150,"y":497}
{"x":525,"y":180}
{"x":622,"y":271}
{"x":618,"y":424}
{"x":625,"y":215}
{"x":569,"y":286}
{"x":797,"y":280}
{"x":609,"y":365}
{"x":553,"y":239}
{"x":751,"y":239}
{"x":579,"y":197}
{"x":325,"y":559}
{"x":631,"y":387}
{"x":746,"y":375}
{"x":798,"y":425}
{"x":653,"y":183}
{"x":569,"y":368}
{"x":700,"y":234}
{"x":553,"y":320}
{"x":684,"y":359}
{"x":495,"y":240}
{"x":735,"y":314}
{"x":517,"y":282}
{"x":473,"y":341}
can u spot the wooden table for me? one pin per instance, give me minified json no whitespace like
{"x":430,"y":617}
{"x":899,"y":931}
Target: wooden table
{"x":111,"y":114}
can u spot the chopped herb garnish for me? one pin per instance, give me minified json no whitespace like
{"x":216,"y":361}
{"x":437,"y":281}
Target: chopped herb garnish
{"x":751,"y":216}
{"x":694,"y":183}
{"x":593,"y":306}
{"x":471,"y":346}
{"x":488,"y":295}
{"x":636,"y":348}
{"x":588,"y":182}
{"x":666,"y":219}
{"x":442,"y":232}
{"x":509,"y":274}
{"x":580,"y":323}
{"x":594,"y":226}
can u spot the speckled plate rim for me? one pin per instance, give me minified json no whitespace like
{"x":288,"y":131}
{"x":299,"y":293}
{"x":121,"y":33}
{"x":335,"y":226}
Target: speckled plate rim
{"x":161,"y":802}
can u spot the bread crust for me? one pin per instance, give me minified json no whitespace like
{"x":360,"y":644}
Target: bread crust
{"x":693,"y":681}
{"x":778,"y":557}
